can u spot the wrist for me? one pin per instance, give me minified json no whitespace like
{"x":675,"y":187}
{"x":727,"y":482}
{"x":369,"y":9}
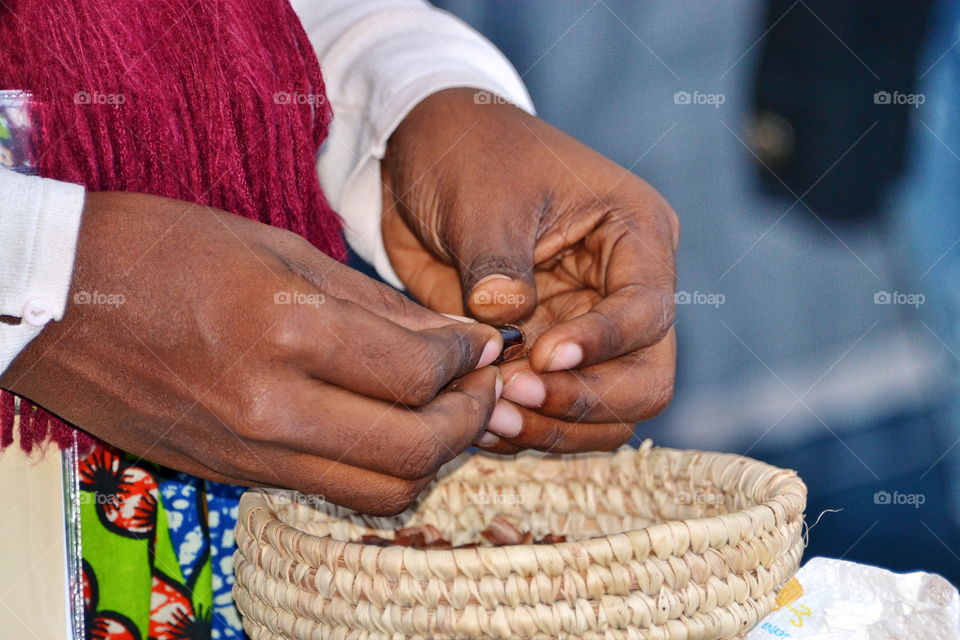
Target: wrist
{"x":449,"y":113}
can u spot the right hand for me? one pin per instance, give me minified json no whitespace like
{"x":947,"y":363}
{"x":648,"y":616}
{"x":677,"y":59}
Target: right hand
{"x":240,"y":353}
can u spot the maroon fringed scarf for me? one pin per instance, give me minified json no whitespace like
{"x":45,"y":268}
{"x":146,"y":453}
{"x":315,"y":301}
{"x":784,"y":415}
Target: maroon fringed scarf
{"x":217,"y":102}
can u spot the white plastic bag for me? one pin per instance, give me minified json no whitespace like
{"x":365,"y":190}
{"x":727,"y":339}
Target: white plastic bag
{"x":849,"y":601}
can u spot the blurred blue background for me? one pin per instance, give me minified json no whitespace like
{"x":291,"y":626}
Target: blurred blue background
{"x":816,"y":324}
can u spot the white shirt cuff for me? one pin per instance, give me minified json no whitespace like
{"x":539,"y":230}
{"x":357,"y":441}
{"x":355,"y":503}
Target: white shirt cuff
{"x":380,"y":59}
{"x":40,"y":222}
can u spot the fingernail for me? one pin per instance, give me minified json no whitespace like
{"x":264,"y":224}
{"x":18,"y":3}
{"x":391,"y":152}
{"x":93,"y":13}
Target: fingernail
{"x":491,"y":351}
{"x":458,"y":318}
{"x":526,"y":389}
{"x":505,"y":420}
{"x":498,"y":389}
{"x":567,"y":355}
{"x":487,"y":439}
{"x":492,"y":276}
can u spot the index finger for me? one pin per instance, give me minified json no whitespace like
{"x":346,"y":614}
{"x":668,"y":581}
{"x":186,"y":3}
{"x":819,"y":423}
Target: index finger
{"x":356,"y":349}
{"x":381,"y":436}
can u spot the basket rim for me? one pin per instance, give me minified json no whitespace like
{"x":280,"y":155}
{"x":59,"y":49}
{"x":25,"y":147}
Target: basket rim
{"x":790,"y":486}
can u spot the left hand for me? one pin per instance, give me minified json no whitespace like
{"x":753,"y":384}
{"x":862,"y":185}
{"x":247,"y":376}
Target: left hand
{"x":493,"y":213}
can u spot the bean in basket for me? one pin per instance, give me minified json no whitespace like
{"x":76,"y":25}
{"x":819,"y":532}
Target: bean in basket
{"x":499,"y":533}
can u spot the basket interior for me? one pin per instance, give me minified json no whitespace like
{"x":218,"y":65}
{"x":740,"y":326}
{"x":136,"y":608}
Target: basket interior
{"x":582,"y":496}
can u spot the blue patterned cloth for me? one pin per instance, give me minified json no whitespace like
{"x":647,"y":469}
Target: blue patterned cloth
{"x":187,"y":499}
{"x":223,"y":502}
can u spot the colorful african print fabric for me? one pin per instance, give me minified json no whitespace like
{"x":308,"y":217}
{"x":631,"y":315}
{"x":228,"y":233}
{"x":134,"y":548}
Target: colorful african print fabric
{"x":157,"y":551}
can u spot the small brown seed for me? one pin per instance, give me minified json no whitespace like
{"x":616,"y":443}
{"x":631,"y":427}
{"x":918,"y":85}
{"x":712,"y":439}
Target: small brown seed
{"x":552,"y":538}
{"x":513,"y":343}
{"x":502,"y":531}
{"x":369,"y":538}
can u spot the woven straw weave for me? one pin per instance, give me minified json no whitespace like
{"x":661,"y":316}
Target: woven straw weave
{"x":661,"y":544}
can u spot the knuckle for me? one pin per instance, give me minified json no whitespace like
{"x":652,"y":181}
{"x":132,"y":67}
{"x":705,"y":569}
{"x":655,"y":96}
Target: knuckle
{"x":552,"y":438}
{"x":476,"y":411}
{"x":461,"y":410}
{"x":295,"y":250}
{"x":397,"y":500}
{"x":585,"y":403}
{"x":418,"y":460}
{"x":665,"y":214}
{"x":431,"y":370}
{"x":425,"y":381}
{"x":259,"y":416}
{"x":621,"y":435}
{"x":657,"y":397}
{"x":284,"y":335}
{"x":389,"y":301}
{"x":450,"y":353}
{"x":464,"y":406}
{"x":289,"y":238}
{"x":666,"y":311}
{"x":608,"y":333}
{"x":462,"y":352}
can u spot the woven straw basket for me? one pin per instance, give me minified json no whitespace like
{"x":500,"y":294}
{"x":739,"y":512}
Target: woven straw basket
{"x":661,"y":544}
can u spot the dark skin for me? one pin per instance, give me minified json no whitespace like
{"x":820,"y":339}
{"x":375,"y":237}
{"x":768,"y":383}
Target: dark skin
{"x":586,"y":248}
{"x":349,"y":389}
{"x":202,"y":370}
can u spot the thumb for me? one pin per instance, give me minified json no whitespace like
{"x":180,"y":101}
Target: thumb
{"x":496,"y":276}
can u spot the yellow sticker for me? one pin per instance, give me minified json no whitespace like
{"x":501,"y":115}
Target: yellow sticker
{"x":790,"y":592}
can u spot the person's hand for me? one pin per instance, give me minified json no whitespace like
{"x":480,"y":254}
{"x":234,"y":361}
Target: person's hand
{"x":240,"y":353}
{"x":493,"y":213}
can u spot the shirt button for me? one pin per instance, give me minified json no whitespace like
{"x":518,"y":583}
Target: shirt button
{"x":37,"y":312}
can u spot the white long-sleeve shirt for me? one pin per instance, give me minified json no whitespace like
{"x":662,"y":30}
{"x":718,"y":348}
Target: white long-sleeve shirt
{"x":380,"y":58}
